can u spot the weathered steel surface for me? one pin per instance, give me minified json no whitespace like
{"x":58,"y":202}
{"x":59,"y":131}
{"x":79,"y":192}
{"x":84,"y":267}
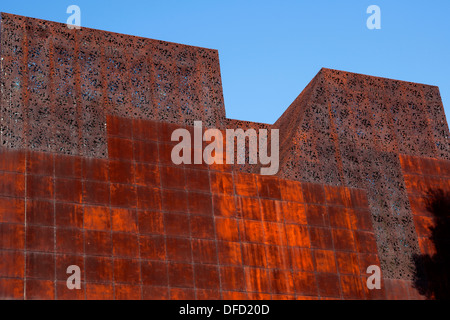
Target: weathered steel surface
{"x":58,"y":85}
{"x":349,"y":129}
{"x":86,"y":119}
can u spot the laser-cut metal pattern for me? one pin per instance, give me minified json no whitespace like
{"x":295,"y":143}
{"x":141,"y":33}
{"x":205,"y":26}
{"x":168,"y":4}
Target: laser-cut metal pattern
{"x":350,"y":130}
{"x":246,"y":125}
{"x":65,"y":82}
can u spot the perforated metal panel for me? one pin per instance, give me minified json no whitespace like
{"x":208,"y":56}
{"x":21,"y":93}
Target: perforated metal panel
{"x":59,"y":85}
{"x":349,"y":129}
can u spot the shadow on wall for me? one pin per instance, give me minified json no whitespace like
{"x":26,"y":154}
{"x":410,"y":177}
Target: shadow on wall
{"x":432,"y":278}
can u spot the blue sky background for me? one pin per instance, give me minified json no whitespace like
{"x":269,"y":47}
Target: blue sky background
{"x":270,"y":50}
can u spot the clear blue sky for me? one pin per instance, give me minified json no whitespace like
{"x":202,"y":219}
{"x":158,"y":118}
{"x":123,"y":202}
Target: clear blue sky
{"x":270,"y":50}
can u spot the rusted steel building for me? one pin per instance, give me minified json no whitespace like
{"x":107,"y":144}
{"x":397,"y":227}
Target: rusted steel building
{"x":86,"y":178}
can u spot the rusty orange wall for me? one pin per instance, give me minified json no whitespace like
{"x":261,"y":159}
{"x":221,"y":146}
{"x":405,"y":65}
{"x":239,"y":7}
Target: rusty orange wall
{"x":141,"y":228}
{"x":423,"y":175}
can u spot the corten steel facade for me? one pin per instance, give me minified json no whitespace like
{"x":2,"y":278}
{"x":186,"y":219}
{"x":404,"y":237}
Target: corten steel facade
{"x":86,"y":177}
